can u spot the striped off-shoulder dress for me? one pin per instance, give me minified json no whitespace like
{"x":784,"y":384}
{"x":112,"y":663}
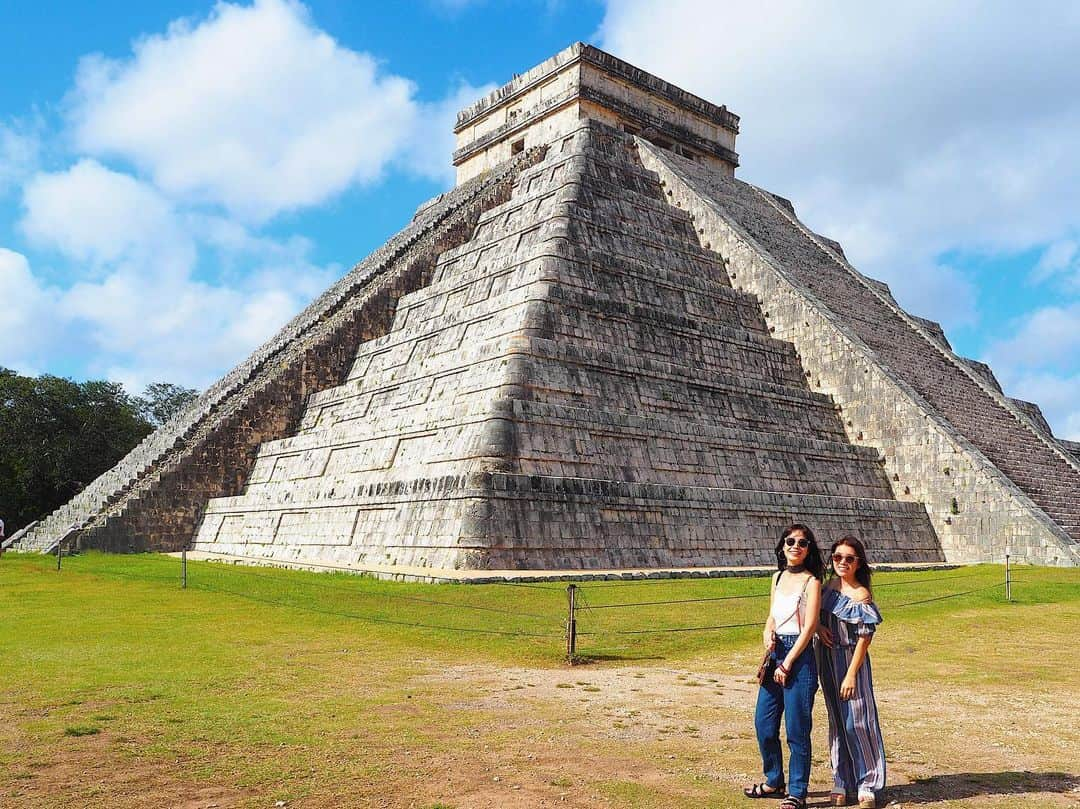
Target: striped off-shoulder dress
{"x":856,"y":749}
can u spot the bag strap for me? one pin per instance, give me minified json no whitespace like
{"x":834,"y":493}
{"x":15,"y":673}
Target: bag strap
{"x":798,"y":615}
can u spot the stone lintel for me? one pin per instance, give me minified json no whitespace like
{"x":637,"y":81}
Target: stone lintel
{"x":582,"y":82}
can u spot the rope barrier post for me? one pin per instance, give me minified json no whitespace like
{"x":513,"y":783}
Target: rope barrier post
{"x":571,"y":623}
{"x":59,"y":552}
{"x":1008,"y":578}
{"x":183,"y":569}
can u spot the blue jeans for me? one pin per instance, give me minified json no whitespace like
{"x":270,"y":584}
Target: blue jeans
{"x":795,"y":702}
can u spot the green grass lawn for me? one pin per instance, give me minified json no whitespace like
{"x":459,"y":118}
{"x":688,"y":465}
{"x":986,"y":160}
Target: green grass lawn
{"x":256,"y":685}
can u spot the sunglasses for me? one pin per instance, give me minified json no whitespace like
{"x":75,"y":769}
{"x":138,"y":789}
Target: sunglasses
{"x":802,"y":542}
{"x":845,"y":558}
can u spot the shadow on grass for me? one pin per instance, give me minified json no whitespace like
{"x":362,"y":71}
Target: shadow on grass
{"x":957,"y":786}
{"x":584,"y":659}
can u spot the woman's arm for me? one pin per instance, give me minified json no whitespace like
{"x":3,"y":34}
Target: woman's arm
{"x":770,"y":624}
{"x":824,"y":634}
{"x":847,"y":687}
{"x":813,"y":605}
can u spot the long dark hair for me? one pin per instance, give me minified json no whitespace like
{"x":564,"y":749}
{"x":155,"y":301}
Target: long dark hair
{"x":813,"y":564}
{"x":863,"y":572}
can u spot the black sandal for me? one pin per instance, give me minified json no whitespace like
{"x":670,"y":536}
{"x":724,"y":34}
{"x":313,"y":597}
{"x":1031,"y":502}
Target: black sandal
{"x":791,"y":802}
{"x":758,"y":791}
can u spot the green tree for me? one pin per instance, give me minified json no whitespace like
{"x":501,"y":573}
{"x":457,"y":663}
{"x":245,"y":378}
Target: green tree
{"x":56,"y":436}
{"x":163,"y":400}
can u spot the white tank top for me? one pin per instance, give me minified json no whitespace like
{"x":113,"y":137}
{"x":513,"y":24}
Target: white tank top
{"x":784,"y":610}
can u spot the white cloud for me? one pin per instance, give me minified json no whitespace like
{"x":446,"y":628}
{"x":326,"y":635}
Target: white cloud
{"x":1049,"y":337}
{"x":252,"y":108}
{"x":180,"y":331}
{"x":29,"y":310}
{"x":141,"y":308}
{"x":1038,"y":364}
{"x":904,"y":131}
{"x":92,"y":214}
{"x":1056,"y":396}
{"x":20,"y":149}
{"x":1059,"y":258}
{"x":429,"y":151}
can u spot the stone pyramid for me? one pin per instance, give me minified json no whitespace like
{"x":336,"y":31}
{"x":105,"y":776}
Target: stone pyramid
{"x":598,"y":351}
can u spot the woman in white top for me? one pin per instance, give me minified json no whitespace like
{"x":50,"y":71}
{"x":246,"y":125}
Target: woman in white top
{"x":789,"y":691}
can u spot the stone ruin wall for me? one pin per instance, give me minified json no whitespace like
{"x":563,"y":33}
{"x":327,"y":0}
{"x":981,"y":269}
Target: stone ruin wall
{"x":976,"y":510}
{"x":154,"y":498}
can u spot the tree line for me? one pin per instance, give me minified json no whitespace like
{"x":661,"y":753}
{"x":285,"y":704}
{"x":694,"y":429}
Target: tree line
{"x":57,"y":435}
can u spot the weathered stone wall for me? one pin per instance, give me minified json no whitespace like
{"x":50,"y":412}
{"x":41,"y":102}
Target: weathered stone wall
{"x":976,"y":510}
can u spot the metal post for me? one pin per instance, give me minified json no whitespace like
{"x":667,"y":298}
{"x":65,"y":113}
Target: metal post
{"x":1008,"y":579}
{"x":183,"y":569}
{"x":571,"y":623}
{"x":59,"y":552}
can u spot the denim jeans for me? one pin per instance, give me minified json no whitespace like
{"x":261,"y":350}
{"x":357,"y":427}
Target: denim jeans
{"x":795,"y":702}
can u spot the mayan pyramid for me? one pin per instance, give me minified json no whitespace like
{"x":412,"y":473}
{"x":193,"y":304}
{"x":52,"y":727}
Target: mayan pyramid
{"x":600,"y":350}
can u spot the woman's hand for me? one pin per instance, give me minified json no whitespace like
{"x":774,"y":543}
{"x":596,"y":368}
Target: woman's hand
{"x":824,"y":635}
{"x":847,"y":688}
{"x":780,"y":676}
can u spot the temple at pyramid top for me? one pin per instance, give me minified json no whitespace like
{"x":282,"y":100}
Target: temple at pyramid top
{"x":582,"y":82}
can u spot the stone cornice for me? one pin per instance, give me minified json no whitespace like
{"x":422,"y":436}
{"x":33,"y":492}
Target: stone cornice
{"x":580,"y":52}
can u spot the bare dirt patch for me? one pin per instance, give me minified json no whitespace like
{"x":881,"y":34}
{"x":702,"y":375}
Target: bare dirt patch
{"x":689,"y":731}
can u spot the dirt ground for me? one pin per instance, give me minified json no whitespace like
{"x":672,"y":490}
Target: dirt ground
{"x":588,"y":736}
{"x":691,"y":730}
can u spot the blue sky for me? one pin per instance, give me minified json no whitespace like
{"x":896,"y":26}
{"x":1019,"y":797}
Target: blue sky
{"x":178,"y":178}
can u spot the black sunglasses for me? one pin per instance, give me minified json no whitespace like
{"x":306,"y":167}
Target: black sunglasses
{"x":802,"y":542}
{"x":847,"y":560}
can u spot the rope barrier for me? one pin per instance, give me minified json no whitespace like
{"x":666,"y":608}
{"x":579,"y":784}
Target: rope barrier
{"x":588,"y":608}
{"x":713,"y":628}
{"x":600,"y":583}
{"x":210,"y":588}
{"x":373,"y":619}
{"x":132,"y":577}
{"x":944,"y":597}
{"x":284,"y":564}
{"x":678,"y":601}
{"x":672,"y":629}
{"x":936,"y":578}
{"x":755,"y":595}
{"x":394,"y":596}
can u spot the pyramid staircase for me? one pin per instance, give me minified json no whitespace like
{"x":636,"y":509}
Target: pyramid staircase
{"x":994,"y":478}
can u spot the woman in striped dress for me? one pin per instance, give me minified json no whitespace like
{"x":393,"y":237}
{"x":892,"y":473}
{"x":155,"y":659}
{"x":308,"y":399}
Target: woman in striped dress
{"x":848,"y":620}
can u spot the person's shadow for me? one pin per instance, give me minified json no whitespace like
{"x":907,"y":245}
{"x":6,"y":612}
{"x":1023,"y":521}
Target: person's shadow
{"x":956,"y":786}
